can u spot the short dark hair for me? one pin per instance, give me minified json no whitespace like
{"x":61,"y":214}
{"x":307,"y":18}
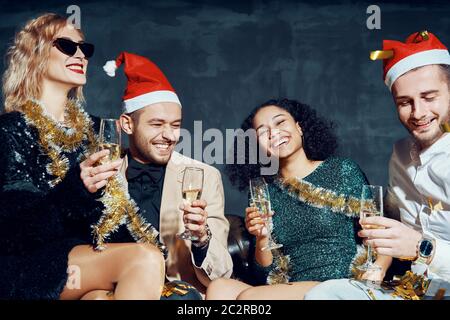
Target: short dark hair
{"x":445,"y":68}
{"x":320,"y":142}
{"x":134,"y":115}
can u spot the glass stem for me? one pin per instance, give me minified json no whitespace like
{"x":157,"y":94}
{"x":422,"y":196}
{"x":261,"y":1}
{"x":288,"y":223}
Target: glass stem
{"x":269,"y":231}
{"x":369,"y":255}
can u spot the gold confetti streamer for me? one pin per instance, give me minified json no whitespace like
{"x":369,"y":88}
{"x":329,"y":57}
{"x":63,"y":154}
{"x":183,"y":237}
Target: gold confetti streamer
{"x":179,"y":288}
{"x":381,"y":54}
{"x":411,"y":286}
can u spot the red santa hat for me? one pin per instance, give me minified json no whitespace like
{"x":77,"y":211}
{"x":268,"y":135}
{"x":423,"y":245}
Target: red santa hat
{"x":146,"y":85}
{"x":420,"y":49}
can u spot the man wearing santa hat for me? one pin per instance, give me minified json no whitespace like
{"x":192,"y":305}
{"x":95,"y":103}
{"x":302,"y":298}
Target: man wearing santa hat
{"x":417,"y":72}
{"x":152,"y":120}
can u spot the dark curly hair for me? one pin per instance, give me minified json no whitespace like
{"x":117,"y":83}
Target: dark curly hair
{"x":319,"y":140}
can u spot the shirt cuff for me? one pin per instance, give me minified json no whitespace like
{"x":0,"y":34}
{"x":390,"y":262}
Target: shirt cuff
{"x":199,"y":254}
{"x":440,"y":265}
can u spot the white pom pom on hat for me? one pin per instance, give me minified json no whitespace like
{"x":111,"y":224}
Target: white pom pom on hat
{"x":110,"y":68}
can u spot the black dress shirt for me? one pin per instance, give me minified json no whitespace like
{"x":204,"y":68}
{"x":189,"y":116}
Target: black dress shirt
{"x":145,"y":185}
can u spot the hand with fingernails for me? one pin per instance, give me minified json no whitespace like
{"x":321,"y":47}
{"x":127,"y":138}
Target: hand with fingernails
{"x":95,"y":177}
{"x":394,"y":239}
{"x":194,"y":219}
{"x":255,"y":223}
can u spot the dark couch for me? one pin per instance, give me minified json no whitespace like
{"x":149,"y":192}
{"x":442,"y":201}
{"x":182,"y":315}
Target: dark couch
{"x":241,"y":247}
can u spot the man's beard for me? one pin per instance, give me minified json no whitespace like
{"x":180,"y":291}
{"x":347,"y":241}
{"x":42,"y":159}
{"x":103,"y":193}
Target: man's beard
{"x":143,"y":151}
{"x":427,"y":142}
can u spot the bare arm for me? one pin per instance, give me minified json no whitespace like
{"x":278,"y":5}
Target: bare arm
{"x":255,"y":226}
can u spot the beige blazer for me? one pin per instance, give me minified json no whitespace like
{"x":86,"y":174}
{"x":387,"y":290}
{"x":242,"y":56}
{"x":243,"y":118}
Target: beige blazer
{"x":180,"y":265}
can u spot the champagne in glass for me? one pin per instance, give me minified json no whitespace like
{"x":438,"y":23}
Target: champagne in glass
{"x":192,"y":194}
{"x":110,"y":139}
{"x":114,"y":151}
{"x":260,"y":198}
{"x":191,"y":190}
{"x":445,"y":126}
{"x":371,"y":206}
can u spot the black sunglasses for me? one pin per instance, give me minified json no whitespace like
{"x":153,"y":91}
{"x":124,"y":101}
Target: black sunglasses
{"x":69,"y":47}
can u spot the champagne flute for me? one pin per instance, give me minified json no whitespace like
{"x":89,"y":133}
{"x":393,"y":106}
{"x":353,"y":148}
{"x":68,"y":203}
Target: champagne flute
{"x":371,"y":206}
{"x":445,"y":126}
{"x":109,"y":138}
{"x":191,"y":190}
{"x":260,"y":199}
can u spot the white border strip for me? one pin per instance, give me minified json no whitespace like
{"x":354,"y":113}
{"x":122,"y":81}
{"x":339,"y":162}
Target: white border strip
{"x":146,"y":99}
{"x":420,"y":59}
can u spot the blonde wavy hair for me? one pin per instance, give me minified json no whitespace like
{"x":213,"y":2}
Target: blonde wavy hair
{"x":26,"y":61}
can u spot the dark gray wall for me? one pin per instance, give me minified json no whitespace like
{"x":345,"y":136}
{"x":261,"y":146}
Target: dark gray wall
{"x":224,"y":58}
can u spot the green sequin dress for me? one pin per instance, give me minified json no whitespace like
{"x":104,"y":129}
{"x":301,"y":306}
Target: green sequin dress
{"x":321,"y":242}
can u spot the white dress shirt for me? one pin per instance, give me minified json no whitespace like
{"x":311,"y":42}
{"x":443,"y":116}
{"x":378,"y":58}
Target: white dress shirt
{"x":419,"y":186}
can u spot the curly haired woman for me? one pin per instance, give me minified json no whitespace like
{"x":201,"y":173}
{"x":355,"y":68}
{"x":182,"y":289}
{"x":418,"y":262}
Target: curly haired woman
{"x":314,"y":197}
{"x":45,"y":214}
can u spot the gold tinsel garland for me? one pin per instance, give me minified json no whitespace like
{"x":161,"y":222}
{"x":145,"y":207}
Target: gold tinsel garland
{"x":322,"y":198}
{"x":280,"y":273}
{"x":359,"y":259}
{"x":121,"y":209}
{"x":55,"y":139}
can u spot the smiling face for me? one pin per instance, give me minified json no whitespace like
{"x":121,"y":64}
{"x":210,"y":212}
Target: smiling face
{"x":153,"y":131}
{"x":69,"y":71}
{"x":277,"y":131}
{"x":423,"y":100}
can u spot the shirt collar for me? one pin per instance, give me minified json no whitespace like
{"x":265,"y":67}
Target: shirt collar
{"x":442,"y":145}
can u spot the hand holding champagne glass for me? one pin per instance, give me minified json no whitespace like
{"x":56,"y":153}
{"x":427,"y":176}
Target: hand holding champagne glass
{"x":101,"y":165}
{"x":192,"y":188}
{"x":371,"y":206}
{"x":260,"y":199}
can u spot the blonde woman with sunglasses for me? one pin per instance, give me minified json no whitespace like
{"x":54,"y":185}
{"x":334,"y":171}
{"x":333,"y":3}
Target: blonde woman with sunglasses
{"x":45,"y":214}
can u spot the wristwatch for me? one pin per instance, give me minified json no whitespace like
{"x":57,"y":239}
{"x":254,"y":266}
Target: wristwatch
{"x":425,"y":250}
{"x":199,"y":244}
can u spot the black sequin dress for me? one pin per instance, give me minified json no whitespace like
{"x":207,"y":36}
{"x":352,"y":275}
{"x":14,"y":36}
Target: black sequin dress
{"x":39,"y":225}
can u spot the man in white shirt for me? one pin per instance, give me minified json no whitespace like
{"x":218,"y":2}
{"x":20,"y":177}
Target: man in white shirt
{"x":418,"y":74}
